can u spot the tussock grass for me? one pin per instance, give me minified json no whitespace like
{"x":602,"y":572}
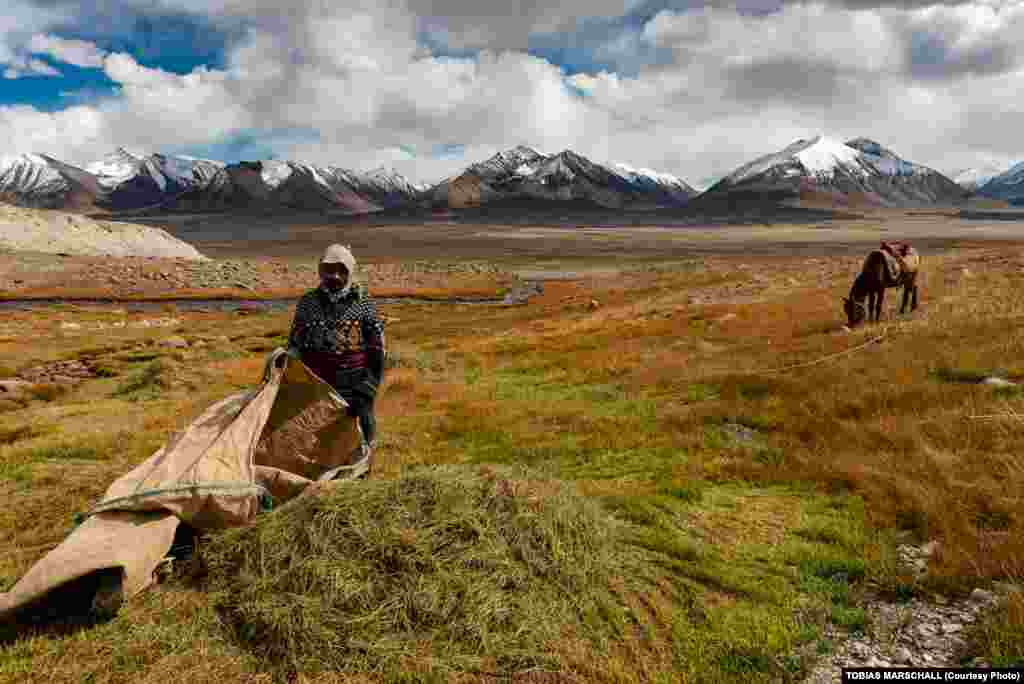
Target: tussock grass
{"x":46,"y":391}
{"x":146,"y":383}
{"x":482,"y":568}
{"x":999,"y":638}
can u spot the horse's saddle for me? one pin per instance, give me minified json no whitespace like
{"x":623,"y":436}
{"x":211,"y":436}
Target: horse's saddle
{"x":899,"y":268}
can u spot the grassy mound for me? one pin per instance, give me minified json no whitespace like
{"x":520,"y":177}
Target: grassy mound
{"x":445,"y":570}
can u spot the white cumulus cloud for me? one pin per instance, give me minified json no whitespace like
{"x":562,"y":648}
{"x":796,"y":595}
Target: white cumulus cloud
{"x":20,"y":67}
{"x":78,"y":52}
{"x":352,"y":84}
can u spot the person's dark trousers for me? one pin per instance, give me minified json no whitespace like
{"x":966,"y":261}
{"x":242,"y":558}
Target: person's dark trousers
{"x":367,"y":420}
{"x":360,"y":407}
{"x":350,"y":385}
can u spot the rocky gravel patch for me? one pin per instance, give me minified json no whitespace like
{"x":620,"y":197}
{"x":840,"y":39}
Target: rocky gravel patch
{"x":118,"y":277}
{"x":920,"y":632}
{"x":60,"y":372}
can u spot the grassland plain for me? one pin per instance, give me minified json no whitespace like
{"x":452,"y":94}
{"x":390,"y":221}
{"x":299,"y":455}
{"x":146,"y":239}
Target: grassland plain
{"x":752,"y":504}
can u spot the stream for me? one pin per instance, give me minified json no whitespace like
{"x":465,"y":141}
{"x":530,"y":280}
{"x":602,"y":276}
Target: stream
{"x":518,"y":296}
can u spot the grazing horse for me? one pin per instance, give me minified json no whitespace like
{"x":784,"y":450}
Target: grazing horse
{"x":882,"y":269}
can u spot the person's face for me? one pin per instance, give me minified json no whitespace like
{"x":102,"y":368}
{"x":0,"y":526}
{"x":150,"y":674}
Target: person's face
{"x":333,"y":276}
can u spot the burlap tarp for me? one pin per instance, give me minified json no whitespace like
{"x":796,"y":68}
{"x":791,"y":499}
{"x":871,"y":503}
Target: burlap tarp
{"x":263,"y":445}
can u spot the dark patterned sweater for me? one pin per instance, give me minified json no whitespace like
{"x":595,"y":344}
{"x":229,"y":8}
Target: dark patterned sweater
{"x":342,"y":343}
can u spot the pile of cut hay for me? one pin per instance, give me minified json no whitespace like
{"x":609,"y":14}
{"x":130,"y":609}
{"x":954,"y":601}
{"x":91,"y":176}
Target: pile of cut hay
{"x":444,"y":571}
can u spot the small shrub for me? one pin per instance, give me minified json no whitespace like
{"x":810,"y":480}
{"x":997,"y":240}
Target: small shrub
{"x":853,"y":619}
{"x":698,"y":392}
{"x":690,"y":493}
{"x":999,"y":637}
{"x":48,"y":391}
{"x":137,"y":357}
{"x":961,"y":375}
{"x":66,"y":452}
{"x":150,"y":380}
{"x":104,"y":370}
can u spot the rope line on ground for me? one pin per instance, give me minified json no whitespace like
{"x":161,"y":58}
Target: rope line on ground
{"x":828,"y":357}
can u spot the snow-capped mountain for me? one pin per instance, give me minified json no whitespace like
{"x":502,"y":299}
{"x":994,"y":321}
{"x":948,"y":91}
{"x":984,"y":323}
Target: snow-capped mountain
{"x":825,"y":169}
{"x":1008,"y":185}
{"x":36,"y":180}
{"x":673,"y":186}
{"x":300,"y":185}
{"x":124,"y":181}
{"x":974,"y":177}
{"x":522,"y":173}
{"x":132,"y":181}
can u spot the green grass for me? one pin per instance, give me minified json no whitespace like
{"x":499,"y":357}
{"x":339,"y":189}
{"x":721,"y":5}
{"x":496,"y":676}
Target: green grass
{"x":961,"y":375}
{"x":999,"y":638}
{"x":146,"y":383}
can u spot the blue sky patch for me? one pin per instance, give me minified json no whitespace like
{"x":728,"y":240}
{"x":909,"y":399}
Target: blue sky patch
{"x":249,"y":145}
{"x":76,"y":86}
{"x":453,"y":151}
{"x":173,"y":42}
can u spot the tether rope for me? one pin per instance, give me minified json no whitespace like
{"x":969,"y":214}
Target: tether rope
{"x":829,"y":357}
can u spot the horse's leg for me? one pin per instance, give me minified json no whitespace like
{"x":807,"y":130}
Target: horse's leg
{"x":913,"y":306}
{"x":878,"y":305}
{"x":906,"y":298}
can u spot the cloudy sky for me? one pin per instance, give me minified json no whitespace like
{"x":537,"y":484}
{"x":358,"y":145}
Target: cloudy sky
{"x":428,"y":86}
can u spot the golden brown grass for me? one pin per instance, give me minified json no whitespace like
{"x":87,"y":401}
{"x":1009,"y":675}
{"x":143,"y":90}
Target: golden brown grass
{"x":629,"y":400}
{"x":472,"y":290}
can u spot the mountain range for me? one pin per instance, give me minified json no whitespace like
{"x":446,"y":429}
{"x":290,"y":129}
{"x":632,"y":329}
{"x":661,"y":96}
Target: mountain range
{"x":525,"y":174}
{"x":1007,"y":186}
{"x":858,"y":172}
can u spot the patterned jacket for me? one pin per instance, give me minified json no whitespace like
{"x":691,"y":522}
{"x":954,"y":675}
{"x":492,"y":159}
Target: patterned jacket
{"x":342,"y":343}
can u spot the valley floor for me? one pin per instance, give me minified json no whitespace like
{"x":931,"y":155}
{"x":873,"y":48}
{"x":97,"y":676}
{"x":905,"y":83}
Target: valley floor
{"x":764,"y":465}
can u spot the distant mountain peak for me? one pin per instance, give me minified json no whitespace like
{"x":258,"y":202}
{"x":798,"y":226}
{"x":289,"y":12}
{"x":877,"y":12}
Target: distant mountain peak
{"x":825,"y":167}
{"x":1008,"y":185}
{"x":973,"y":178}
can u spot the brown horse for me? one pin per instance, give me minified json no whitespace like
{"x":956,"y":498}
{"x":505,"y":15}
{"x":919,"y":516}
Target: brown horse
{"x":882,"y":270}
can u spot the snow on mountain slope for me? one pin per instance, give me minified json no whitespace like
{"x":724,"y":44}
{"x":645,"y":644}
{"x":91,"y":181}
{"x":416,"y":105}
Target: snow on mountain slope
{"x":822,"y":168}
{"x":29,"y":173}
{"x":131,"y":180}
{"x":36,"y":180}
{"x":975,"y":177}
{"x":1008,"y":185}
{"x":644,"y":177}
{"x":820,"y":157}
{"x":507,"y":163}
{"x":885,"y":161}
{"x":275,"y":172}
{"x":523,"y":173}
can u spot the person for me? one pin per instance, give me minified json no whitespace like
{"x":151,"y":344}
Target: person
{"x":338,"y":334}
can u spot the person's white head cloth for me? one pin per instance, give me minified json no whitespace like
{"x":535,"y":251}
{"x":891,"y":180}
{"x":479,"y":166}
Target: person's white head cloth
{"x":337,"y":267}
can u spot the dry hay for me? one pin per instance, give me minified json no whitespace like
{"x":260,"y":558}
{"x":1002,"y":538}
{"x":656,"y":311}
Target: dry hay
{"x":475,"y":569}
